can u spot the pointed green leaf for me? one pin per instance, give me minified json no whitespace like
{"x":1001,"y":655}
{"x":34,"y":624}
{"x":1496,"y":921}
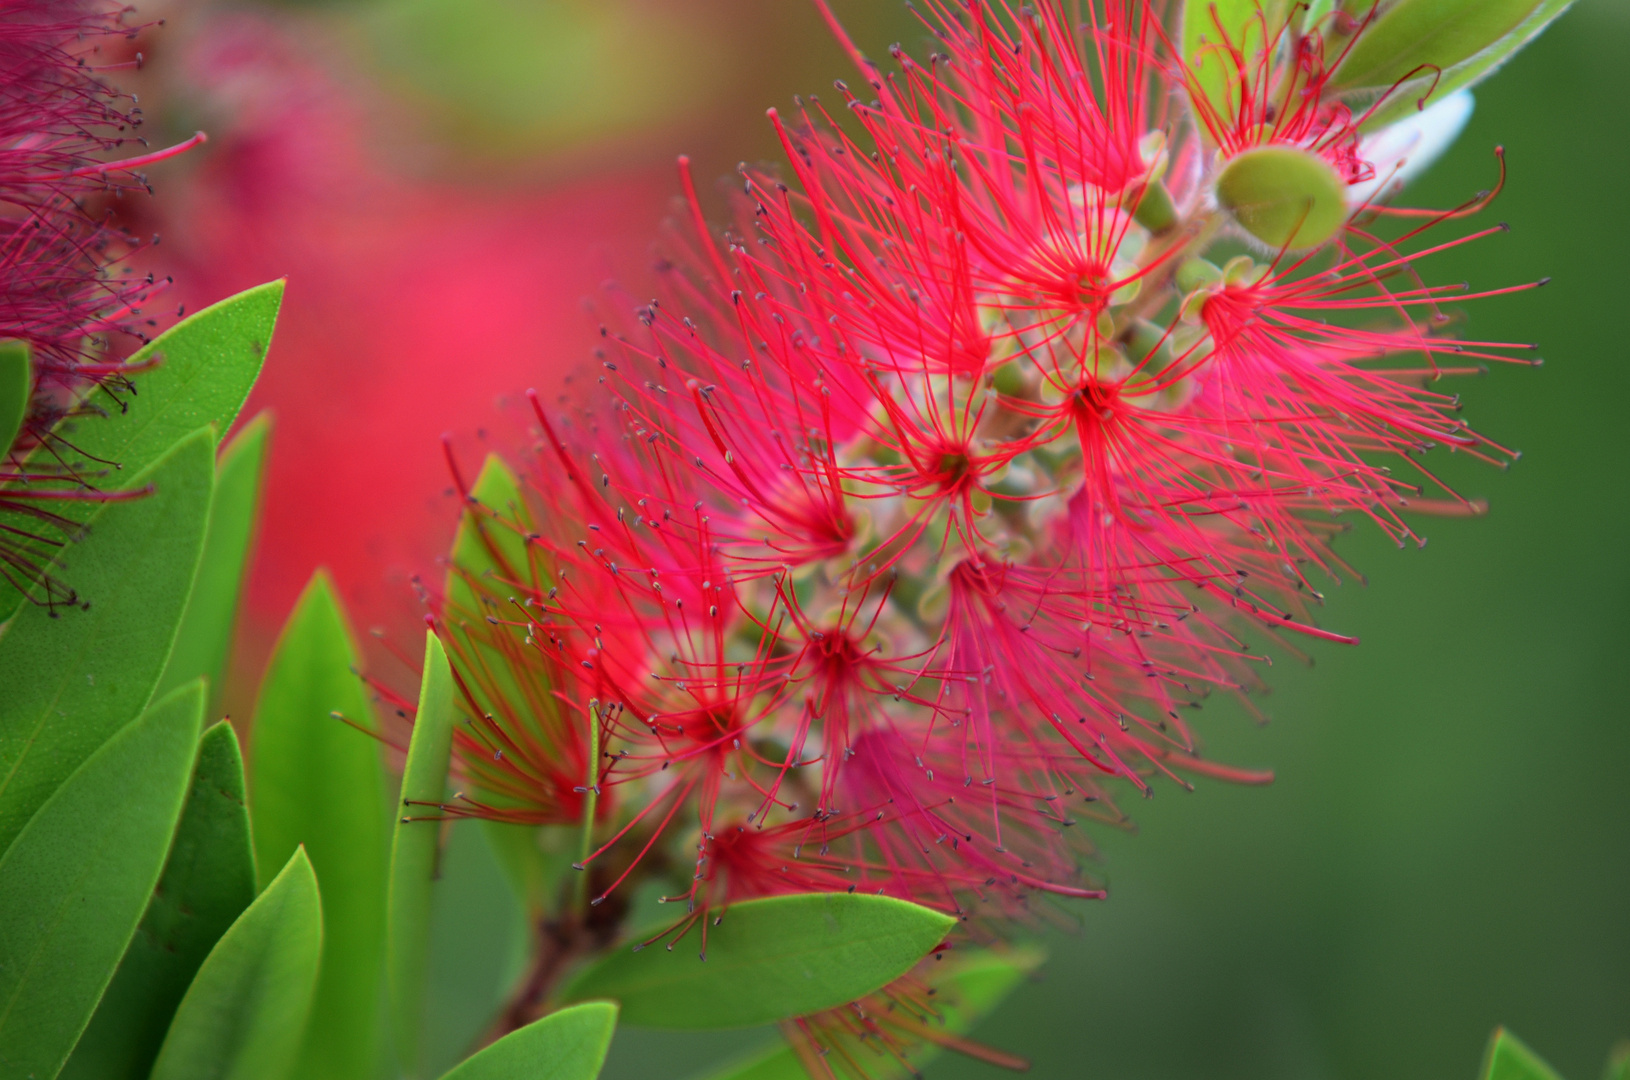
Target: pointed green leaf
{"x":16,"y":387}
{"x":1439,"y":46}
{"x":489,"y":558}
{"x":488,"y":563}
{"x":1415,"y":34}
{"x":1217,"y":35}
{"x":1283,"y":196}
{"x":318,"y":781}
{"x":567,"y":1045}
{"x":76,"y":880}
{"x":245,"y":1014}
{"x":966,"y":988}
{"x":209,"y":878}
{"x":205,"y":637}
{"x":1507,"y":1058}
{"x":205,"y":367}
{"x":73,"y":680}
{"x":414,"y":850}
{"x":767,"y":960}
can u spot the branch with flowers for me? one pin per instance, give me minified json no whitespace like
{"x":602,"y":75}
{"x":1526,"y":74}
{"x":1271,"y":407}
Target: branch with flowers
{"x":873,"y":562}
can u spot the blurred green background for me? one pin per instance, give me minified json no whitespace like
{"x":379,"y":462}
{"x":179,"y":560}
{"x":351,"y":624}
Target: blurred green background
{"x":1447,"y":846}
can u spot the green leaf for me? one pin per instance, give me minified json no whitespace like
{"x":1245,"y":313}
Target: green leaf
{"x":489,"y":558}
{"x":966,"y":988}
{"x":245,"y":1013}
{"x":533,"y":873}
{"x":489,"y":564}
{"x":318,"y":781}
{"x":566,"y":1045}
{"x":768,"y":960}
{"x":205,"y":367}
{"x":1213,"y":32}
{"x":74,"y":883}
{"x":1283,"y":196}
{"x":414,"y":851}
{"x":480,"y":945}
{"x":1507,"y":1058}
{"x":16,"y":387}
{"x":1453,"y":43}
{"x":205,"y":637}
{"x":208,"y":880}
{"x":73,"y":680}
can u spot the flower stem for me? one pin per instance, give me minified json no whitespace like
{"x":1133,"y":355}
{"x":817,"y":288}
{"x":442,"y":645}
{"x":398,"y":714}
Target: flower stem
{"x":591,"y":798}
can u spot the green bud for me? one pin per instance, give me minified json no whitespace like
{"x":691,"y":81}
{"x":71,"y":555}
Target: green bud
{"x":1143,"y":339}
{"x":1009,"y":380}
{"x":16,"y":387}
{"x":1285,"y":197}
{"x":1438,"y":46}
{"x":1197,"y":273}
{"x":1153,"y":207}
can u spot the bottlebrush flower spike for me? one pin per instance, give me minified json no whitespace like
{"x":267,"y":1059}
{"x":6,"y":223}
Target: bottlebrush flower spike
{"x":62,"y":296}
{"x":909,"y":522}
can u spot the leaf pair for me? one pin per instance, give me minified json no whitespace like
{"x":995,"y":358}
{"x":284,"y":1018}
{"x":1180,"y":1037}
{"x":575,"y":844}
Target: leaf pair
{"x":318,"y":783}
{"x":76,"y":880}
{"x":106,"y":887}
{"x":193,"y":376}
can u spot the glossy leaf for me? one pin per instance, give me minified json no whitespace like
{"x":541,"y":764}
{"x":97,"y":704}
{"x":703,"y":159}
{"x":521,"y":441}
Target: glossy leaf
{"x":567,"y":1045}
{"x":208,"y":880}
{"x":1507,"y":1058}
{"x":1439,"y":46}
{"x":1285,"y":197}
{"x":1217,"y":35}
{"x":318,"y":781}
{"x":205,"y":636}
{"x":966,"y":988}
{"x":73,"y":680}
{"x":74,"y":884}
{"x":414,"y":851}
{"x":245,"y":1014}
{"x":767,"y":960}
{"x":205,"y":368}
{"x":16,"y":387}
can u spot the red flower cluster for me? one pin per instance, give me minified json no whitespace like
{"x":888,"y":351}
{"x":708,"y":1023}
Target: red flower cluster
{"x":61,"y":293}
{"x":920,"y":507}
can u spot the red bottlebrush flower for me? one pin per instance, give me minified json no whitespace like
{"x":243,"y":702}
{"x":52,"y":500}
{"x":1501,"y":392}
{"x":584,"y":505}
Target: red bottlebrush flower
{"x":913,"y":514}
{"x":62,"y":294}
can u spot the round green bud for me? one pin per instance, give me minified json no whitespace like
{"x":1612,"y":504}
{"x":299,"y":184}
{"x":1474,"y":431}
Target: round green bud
{"x":1283,"y":196}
